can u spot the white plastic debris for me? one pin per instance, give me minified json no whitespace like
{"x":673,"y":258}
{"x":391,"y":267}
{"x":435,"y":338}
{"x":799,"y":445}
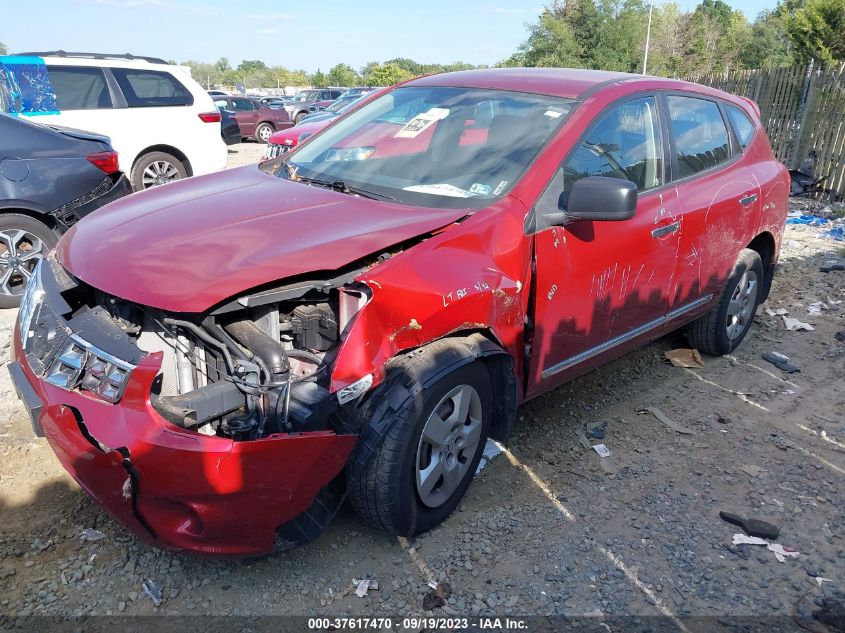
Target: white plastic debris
{"x":816,"y":308}
{"x":794,"y":325}
{"x":820,"y":580}
{"x":778,"y":312}
{"x":602,"y":450}
{"x":90,"y":534}
{"x":364,"y":585}
{"x":153,"y":591}
{"x":491,"y":451}
{"x":744,"y":539}
{"x":780,"y":552}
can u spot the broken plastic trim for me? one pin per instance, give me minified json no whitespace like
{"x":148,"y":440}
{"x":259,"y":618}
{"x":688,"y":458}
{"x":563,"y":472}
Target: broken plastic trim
{"x":355,"y":390}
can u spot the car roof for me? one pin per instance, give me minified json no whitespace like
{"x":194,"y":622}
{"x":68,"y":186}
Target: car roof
{"x":570,"y":83}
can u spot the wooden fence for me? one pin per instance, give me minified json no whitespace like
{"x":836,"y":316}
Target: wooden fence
{"x":802,"y":108}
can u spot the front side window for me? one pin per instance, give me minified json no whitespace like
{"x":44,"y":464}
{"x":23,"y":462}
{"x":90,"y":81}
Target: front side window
{"x":151,"y":88}
{"x":436,"y":147}
{"x":743,"y":126}
{"x":701,"y":138}
{"x":79,"y":88}
{"x":243,"y":105}
{"x":624,"y":143}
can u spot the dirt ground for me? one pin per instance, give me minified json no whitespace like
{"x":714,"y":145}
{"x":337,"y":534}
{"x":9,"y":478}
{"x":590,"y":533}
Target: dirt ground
{"x":548,"y":527}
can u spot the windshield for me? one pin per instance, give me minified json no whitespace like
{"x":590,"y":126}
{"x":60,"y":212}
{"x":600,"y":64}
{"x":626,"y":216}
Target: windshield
{"x":307,"y":95}
{"x":433,"y":147}
{"x":341,"y":102}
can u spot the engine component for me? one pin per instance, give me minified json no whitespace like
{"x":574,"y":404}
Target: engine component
{"x":252,"y":338}
{"x":314,"y":326}
{"x":201,"y":405}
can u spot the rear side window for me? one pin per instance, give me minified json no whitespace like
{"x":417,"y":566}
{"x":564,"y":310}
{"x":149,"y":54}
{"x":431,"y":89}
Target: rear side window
{"x":79,"y":88}
{"x":243,"y":105}
{"x":624,"y":143}
{"x":701,"y":138}
{"x":151,"y":88}
{"x":743,"y":126}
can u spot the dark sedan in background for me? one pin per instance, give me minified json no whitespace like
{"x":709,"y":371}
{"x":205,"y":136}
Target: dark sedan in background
{"x":229,"y":128}
{"x":49,"y":179}
{"x":255,"y":119}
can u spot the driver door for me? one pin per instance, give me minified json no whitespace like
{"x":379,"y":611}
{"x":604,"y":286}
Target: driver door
{"x":603,"y":285}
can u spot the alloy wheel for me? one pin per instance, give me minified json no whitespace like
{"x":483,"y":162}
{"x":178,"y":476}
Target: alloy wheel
{"x":159,"y":172}
{"x":741,"y":307}
{"x":448,"y":444}
{"x":20,"y":252}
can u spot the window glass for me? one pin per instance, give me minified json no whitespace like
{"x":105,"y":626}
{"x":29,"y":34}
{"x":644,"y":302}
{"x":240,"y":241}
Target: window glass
{"x":151,"y":88}
{"x":221,"y":104}
{"x":701,"y":138}
{"x":243,"y":105}
{"x":624,"y":143}
{"x":79,"y":88}
{"x":743,"y":126}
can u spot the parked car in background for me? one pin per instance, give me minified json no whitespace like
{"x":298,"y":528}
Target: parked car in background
{"x":49,"y":179}
{"x":298,"y":106}
{"x":274,"y":102}
{"x":353,"y":320}
{"x":217,"y":93}
{"x":229,"y":128}
{"x":161,"y":122}
{"x":256,"y":120}
{"x":345,"y":99}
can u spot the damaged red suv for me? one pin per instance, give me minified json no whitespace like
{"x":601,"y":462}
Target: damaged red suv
{"x":222,"y":361}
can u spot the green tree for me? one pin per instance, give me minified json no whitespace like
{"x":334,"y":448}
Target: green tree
{"x":768,"y":44}
{"x":251,"y":65}
{"x":318,"y":79}
{"x":386,"y":75}
{"x":342,"y":75}
{"x":223,"y":65}
{"x":817,"y":30}
{"x":3,"y":49}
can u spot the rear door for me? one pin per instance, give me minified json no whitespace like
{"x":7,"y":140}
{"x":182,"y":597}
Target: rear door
{"x":719,"y":196}
{"x":602,"y":286}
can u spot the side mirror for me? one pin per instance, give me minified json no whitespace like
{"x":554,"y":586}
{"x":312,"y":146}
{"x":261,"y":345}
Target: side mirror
{"x":602,"y":198}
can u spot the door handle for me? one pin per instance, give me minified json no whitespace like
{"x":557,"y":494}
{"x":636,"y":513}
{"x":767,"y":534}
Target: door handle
{"x":749,"y":199}
{"x":666,"y":230}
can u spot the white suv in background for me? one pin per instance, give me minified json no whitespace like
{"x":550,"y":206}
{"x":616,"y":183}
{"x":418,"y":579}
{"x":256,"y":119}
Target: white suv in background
{"x":162,"y":123}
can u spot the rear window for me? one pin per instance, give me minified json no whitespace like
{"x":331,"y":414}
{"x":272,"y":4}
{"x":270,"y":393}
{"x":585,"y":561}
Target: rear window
{"x":701,"y":138}
{"x":743,"y":126}
{"x":151,"y":88}
{"x":79,"y":88}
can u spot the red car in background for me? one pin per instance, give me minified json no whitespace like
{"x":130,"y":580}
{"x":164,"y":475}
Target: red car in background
{"x":223,"y":361}
{"x":255,"y":119}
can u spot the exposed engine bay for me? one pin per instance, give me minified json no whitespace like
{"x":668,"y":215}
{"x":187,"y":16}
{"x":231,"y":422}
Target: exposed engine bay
{"x":256,"y":366}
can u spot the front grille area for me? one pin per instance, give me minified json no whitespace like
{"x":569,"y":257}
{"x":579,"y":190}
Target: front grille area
{"x":273,"y":150}
{"x":66,"y":214}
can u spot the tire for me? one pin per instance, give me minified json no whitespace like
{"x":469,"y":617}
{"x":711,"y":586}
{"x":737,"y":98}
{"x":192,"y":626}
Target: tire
{"x":298,"y":117}
{"x":263,"y":132}
{"x":24,"y":241}
{"x":386,"y":492}
{"x":722,"y":329}
{"x":156,"y":168}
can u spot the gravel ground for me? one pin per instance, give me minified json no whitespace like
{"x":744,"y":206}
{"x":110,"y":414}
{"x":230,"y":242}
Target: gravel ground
{"x":548,"y":527}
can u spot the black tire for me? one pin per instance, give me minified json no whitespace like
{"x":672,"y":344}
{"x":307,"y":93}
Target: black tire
{"x":298,"y":117}
{"x":156,"y":168}
{"x":22,"y":246}
{"x":711,"y":333}
{"x":384,"y":492}
{"x":263,"y":132}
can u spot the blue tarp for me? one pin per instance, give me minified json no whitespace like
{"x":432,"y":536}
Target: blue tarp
{"x":810,"y":220}
{"x":25,"y":86}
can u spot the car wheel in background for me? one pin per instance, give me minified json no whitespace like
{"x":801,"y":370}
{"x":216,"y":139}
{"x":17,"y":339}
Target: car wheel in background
{"x":156,"y":168}
{"x":722,"y":329}
{"x":24,"y":241}
{"x":263,"y":132}
{"x":298,"y":118}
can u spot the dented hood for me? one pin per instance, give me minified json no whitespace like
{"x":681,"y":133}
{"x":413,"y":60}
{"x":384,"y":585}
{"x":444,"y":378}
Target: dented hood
{"x":187,"y":246}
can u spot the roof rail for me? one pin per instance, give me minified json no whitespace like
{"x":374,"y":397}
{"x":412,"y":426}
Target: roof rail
{"x":152,"y":60}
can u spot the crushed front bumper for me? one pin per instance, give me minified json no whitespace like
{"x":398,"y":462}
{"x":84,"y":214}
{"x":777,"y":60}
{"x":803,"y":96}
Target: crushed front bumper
{"x":175,"y":489}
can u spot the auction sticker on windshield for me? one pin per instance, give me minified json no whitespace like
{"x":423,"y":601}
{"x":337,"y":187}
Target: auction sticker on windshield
{"x":421,"y":122}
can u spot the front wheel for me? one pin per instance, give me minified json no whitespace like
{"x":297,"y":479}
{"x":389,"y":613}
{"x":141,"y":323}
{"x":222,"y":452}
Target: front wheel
{"x":157,"y":168}
{"x":423,"y":467}
{"x":263,"y":132}
{"x":24,"y":241}
{"x":722,"y":329}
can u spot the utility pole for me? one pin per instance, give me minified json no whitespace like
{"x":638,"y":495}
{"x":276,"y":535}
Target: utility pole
{"x":647,"y":36}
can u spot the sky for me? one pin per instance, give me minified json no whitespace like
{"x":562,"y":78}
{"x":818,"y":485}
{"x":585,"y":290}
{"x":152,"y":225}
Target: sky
{"x":299,"y":35}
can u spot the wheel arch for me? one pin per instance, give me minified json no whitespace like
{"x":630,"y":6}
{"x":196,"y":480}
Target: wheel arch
{"x":167,"y":149}
{"x":42,"y":216}
{"x":765,"y":246}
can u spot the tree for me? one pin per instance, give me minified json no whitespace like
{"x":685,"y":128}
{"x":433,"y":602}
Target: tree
{"x":768,"y":45}
{"x":222,"y":64}
{"x":318,"y":79}
{"x":251,"y":65}
{"x":342,"y":75}
{"x":3,"y":49}
{"x":817,"y":30}
{"x":386,"y":75}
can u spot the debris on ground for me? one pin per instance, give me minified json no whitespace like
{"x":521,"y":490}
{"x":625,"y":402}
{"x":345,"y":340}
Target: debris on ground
{"x":832,"y":267}
{"x":752,"y":527}
{"x":438,"y":596}
{"x":794,"y":325}
{"x":153,"y":591}
{"x":596,"y":431}
{"x":90,"y":534}
{"x":687,"y":358}
{"x":678,"y":428}
{"x":840,"y":336}
{"x":491,"y":451}
{"x":780,"y":552}
{"x":836,"y":233}
{"x":816,"y":308}
{"x":602,"y":450}
{"x":363,"y":586}
{"x":781,"y":361}
{"x":776,"y":312}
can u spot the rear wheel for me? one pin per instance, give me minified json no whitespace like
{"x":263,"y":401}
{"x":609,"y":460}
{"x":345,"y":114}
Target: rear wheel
{"x":157,"y":168}
{"x":263,"y":132}
{"x":723,"y":328}
{"x":24,"y":241}
{"x":424,"y":465}
{"x":298,"y":118}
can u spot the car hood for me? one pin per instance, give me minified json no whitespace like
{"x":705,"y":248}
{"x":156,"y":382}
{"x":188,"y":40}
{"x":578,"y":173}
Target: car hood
{"x":308,"y":127}
{"x":187,"y":246}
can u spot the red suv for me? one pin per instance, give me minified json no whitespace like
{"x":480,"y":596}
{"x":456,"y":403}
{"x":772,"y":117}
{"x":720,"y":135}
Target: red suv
{"x":222,"y":361}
